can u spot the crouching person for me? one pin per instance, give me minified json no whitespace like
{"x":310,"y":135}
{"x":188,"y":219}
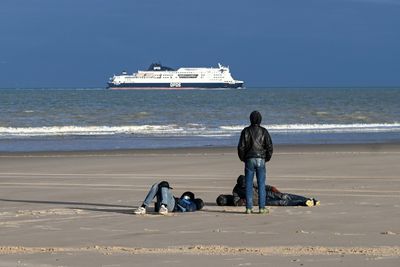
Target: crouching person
{"x":273,"y":197}
{"x":166,"y":202}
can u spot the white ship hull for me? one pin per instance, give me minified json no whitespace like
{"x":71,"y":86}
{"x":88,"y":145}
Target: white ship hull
{"x":159,"y":77}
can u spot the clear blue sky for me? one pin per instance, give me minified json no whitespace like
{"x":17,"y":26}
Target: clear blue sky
{"x":74,"y":43}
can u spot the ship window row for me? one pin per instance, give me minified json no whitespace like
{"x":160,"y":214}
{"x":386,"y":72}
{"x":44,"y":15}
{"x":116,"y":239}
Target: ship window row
{"x":188,"y":75}
{"x":154,"y":77}
{"x":148,"y":75}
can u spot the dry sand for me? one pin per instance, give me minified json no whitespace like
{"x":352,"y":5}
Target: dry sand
{"x":75,"y":209}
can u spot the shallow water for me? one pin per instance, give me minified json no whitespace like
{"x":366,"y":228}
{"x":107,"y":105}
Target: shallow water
{"x":75,"y":119}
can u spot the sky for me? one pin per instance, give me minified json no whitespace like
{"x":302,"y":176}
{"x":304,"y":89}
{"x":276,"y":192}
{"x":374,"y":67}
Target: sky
{"x":288,"y":43}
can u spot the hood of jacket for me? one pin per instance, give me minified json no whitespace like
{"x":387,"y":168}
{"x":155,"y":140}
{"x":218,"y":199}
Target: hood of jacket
{"x":255,"y":118}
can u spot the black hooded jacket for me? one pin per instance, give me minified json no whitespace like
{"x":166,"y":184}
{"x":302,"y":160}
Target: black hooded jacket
{"x":255,"y":141}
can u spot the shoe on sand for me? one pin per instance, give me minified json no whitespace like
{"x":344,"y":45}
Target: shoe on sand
{"x":264,"y":211}
{"x":140,"y":211}
{"x":163,"y":210}
{"x":249,"y":211}
{"x":310,"y":202}
{"x":316,"y":202}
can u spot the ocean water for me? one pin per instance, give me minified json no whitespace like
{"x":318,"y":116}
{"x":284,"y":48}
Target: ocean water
{"x":98,"y":119}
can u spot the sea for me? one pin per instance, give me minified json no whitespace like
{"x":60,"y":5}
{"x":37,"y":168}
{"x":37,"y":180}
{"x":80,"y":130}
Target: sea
{"x":79,"y":119}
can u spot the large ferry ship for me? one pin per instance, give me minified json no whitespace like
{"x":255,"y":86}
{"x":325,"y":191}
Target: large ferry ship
{"x":162,"y":77}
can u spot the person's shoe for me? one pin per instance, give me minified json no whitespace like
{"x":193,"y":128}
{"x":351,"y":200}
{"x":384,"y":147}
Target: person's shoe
{"x":310,"y":203}
{"x":264,"y":211}
{"x":163,"y":210}
{"x":249,"y":211}
{"x":140,"y":211}
{"x":316,"y":202}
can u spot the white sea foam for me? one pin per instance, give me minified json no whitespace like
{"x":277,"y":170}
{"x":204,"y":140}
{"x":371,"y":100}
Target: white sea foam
{"x":292,"y":128}
{"x":88,"y":130}
{"x":191,"y":130}
{"x":337,"y":128}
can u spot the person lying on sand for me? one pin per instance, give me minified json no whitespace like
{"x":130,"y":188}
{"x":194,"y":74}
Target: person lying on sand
{"x":166,"y":202}
{"x":273,"y":198}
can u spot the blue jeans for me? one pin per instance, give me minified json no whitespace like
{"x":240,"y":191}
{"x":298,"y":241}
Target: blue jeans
{"x":164,"y":197}
{"x":255,"y":165}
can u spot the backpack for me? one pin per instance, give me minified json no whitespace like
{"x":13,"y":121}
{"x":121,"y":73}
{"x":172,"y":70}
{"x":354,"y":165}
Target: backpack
{"x":225,"y":200}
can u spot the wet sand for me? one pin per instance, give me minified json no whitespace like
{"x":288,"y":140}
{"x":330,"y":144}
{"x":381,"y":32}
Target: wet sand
{"x":75,"y":208}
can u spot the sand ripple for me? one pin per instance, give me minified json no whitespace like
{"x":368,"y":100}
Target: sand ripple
{"x":212,"y":250}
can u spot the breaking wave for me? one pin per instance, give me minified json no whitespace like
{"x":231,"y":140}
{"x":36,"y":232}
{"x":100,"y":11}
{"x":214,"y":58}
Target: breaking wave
{"x":190,"y":130}
{"x":328,"y":128}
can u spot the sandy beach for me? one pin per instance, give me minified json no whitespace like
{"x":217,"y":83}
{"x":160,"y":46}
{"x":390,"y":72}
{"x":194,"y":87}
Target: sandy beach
{"x":75,"y":208}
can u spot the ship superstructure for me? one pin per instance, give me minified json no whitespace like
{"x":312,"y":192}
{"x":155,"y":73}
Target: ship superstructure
{"x":162,"y":77}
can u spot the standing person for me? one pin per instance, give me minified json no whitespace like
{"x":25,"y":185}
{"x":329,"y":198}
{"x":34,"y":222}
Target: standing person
{"x":255,"y":149}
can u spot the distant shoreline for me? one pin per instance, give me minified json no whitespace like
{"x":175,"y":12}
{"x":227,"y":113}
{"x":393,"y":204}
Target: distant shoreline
{"x":361,"y":147}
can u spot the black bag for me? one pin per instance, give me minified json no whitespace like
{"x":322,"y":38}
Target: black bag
{"x":225,"y":200}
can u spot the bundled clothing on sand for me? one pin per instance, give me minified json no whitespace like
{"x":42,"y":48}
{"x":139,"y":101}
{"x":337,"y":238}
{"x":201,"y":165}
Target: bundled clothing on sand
{"x":166,"y":202}
{"x":273,"y":197}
